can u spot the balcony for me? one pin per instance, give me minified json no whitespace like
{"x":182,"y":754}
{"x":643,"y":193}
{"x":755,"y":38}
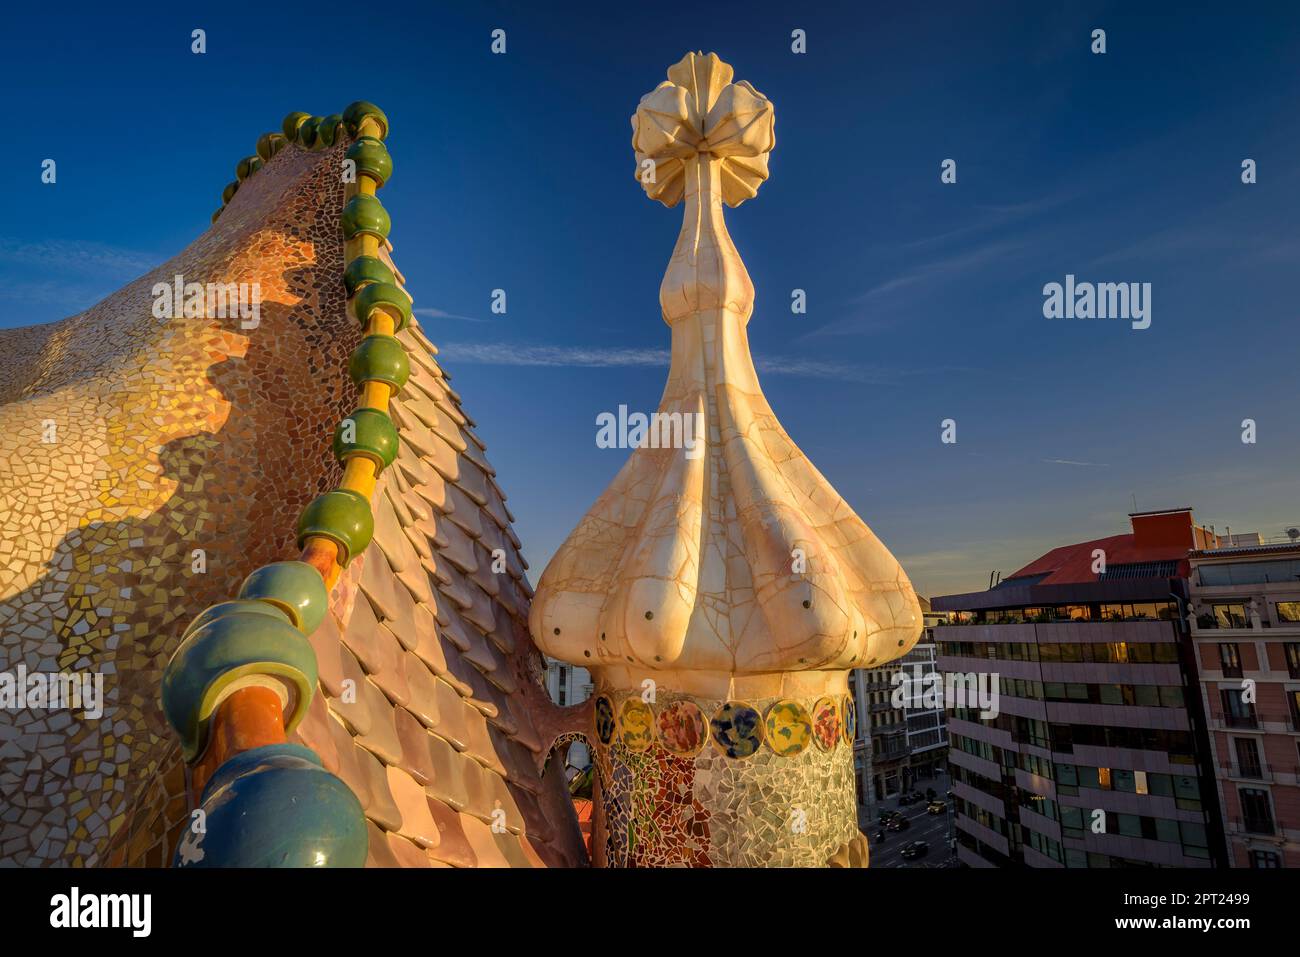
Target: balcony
{"x":1227,"y":623}
{"x":1246,"y":772}
{"x":1260,"y":827}
{"x":1253,"y":722}
{"x":1236,"y":721}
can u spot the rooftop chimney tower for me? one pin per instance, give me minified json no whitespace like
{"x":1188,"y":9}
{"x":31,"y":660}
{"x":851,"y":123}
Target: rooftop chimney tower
{"x":719,"y":594}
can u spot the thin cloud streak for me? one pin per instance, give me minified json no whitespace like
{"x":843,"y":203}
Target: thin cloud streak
{"x":1095,"y":465}
{"x":937,"y":272}
{"x":76,"y":254}
{"x":52,"y":292}
{"x":488,"y":353}
{"x":428,"y":312}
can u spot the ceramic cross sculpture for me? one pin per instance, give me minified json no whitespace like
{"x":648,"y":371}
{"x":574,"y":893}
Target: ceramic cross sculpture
{"x":720,"y":594}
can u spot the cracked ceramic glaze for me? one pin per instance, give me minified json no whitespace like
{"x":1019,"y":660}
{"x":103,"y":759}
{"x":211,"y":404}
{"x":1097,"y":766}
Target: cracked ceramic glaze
{"x":738,"y":573}
{"x":695,"y":567}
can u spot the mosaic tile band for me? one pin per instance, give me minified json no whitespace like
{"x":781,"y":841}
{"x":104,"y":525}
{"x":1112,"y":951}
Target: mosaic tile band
{"x":677,"y":789}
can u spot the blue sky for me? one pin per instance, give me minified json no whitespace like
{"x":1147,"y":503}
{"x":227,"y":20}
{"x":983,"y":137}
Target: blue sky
{"x":924,"y":300}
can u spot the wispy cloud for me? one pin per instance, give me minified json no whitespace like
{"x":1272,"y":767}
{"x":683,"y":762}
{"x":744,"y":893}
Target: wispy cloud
{"x":587,"y":357}
{"x":79,"y":255}
{"x":1095,"y":465}
{"x":52,"y":292}
{"x":933,"y":262}
{"x":873,"y":308}
{"x":995,"y":216}
{"x":506,"y":354}
{"x":428,"y":312}
{"x":946,"y":267}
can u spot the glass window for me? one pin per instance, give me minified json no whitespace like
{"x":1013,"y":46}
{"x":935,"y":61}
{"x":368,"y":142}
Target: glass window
{"x":1250,"y":573}
{"x":1129,"y":825}
{"x":1165,"y":653}
{"x":1160,"y":784}
{"x":1247,"y":757}
{"x":1256,"y":812}
{"x":1229,"y":615}
{"x":1195,"y":843}
{"x":1111,"y":694}
{"x":1237,"y":712}
{"x":1187,"y":793}
{"x":1230,"y":659}
{"x":1171,"y":697}
{"x":1292,"y":649}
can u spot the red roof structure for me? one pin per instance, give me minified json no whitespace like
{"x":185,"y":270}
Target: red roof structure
{"x":1157,"y":537}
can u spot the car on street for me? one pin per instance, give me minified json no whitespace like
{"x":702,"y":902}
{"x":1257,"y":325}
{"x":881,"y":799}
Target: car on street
{"x":915,"y":849}
{"x":935,"y":807}
{"x":897,"y":824}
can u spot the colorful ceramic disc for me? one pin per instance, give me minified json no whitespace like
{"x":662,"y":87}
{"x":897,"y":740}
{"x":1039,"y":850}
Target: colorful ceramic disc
{"x":737,"y":729}
{"x":789,"y":728}
{"x":682,"y":728}
{"x":636,"y":724}
{"x":826,"y":723}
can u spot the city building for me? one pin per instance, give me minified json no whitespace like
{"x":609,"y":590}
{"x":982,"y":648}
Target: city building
{"x":897,"y":746}
{"x":927,"y":721}
{"x":1096,"y":753}
{"x":1246,"y":629}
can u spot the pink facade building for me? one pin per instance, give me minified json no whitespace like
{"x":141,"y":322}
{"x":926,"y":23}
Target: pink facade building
{"x":1245,"y":604}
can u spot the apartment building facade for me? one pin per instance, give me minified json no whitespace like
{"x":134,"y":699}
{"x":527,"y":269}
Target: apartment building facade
{"x":898,"y":746}
{"x":1245,"y":625}
{"x":1098,"y":754}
